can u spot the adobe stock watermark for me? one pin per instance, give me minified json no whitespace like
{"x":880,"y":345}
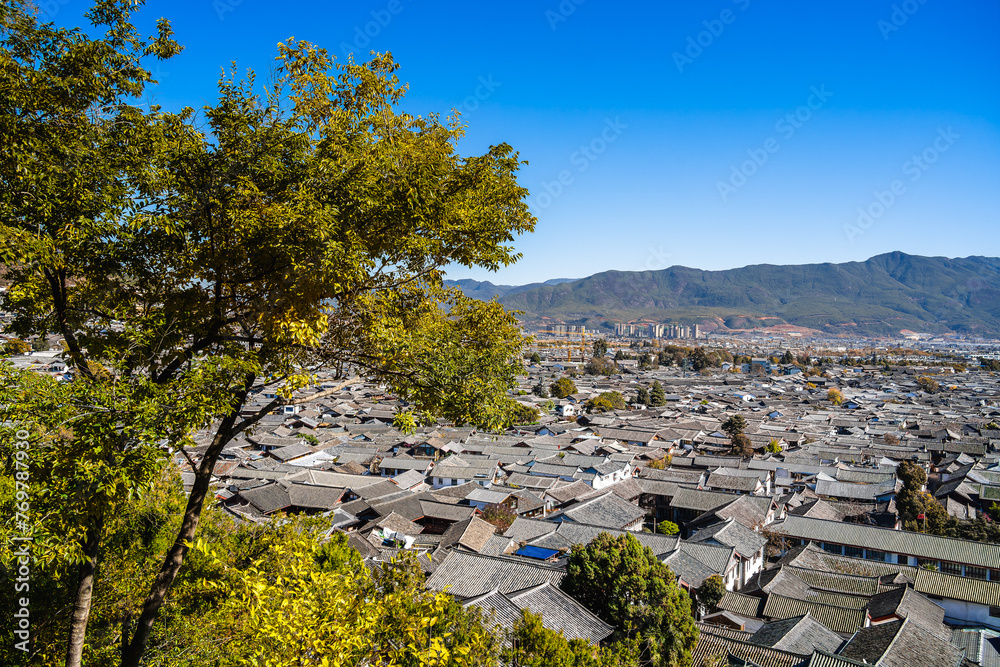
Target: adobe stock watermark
{"x":48,"y":9}
{"x":656,"y":259}
{"x":901,"y":13}
{"x":581,"y":159}
{"x":562,"y":12}
{"x":21,"y":542}
{"x":487,"y":86}
{"x":363,"y":35}
{"x":786,"y":127}
{"x":696,"y":44}
{"x":914,"y":168}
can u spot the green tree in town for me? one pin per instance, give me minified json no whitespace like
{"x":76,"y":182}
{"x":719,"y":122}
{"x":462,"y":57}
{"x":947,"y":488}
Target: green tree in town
{"x":540,"y":390}
{"x":534,"y":645}
{"x":667,"y":528}
{"x":609,"y":400}
{"x":624,"y":584}
{"x":600,"y":347}
{"x":642,"y":396}
{"x":600,"y":366}
{"x":657,"y":397}
{"x":562,"y":387}
{"x":535,"y":358}
{"x":192,"y":261}
{"x":711,"y":591}
{"x":734,"y":426}
{"x":773,"y":447}
{"x":699,"y":359}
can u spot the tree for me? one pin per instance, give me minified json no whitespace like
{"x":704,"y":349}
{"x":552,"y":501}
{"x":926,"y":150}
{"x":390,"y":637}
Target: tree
{"x":787,"y":358}
{"x":742,"y":445}
{"x":711,"y":591}
{"x":534,"y":645}
{"x":15,"y":347}
{"x":834,"y":396}
{"x":535,"y":358}
{"x":667,"y":528}
{"x":540,"y":390}
{"x":600,"y":366}
{"x":734,"y":426}
{"x":522,"y":414}
{"x":499,"y":515}
{"x":656,"y":396}
{"x":619,"y":355}
{"x":562,"y":387}
{"x":773,"y":447}
{"x":191,"y":263}
{"x":642,"y":396}
{"x":699,"y":359}
{"x":600,"y":347}
{"x":624,"y":584}
{"x":928,"y":385}
{"x":609,"y":400}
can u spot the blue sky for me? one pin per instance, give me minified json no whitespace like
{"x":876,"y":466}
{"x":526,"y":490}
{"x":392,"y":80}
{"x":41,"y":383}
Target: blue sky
{"x":713,"y":134}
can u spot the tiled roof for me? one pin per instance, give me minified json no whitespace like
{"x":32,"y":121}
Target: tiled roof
{"x":839,"y":619}
{"x":467,"y":575}
{"x":892,"y":541}
{"x":711,"y":645}
{"x":799,"y":634}
{"x":561,"y":612}
{"x":745,"y":605}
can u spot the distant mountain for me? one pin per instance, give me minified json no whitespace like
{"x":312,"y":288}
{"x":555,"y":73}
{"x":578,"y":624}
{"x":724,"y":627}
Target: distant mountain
{"x":485,"y":290}
{"x":882,"y":295}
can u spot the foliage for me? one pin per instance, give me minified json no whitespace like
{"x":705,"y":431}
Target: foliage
{"x":624,"y":584}
{"x":989,"y":364}
{"x":499,"y":515}
{"x":928,"y":385}
{"x":608,"y":400}
{"x":667,"y":528}
{"x":773,"y":447}
{"x":190,"y":259}
{"x":642,"y":396}
{"x":834,"y":396}
{"x":711,"y":591}
{"x":742,"y":445}
{"x":535,"y":358}
{"x":523,"y":414}
{"x":540,"y":390}
{"x":600,"y":347}
{"x":734,"y":426}
{"x":657,"y":397}
{"x":562,"y":387}
{"x":537,"y":646}
{"x":600,"y":366}
{"x":342,"y":614}
{"x":14,"y":347}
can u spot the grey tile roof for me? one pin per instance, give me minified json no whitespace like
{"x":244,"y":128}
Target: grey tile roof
{"x":560,"y":612}
{"x":892,"y":541}
{"x":731,"y":533}
{"x":607,"y":510}
{"x":842,"y":620}
{"x":799,"y":634}
{"x":711,"y":645}
{"x":466,"y":575}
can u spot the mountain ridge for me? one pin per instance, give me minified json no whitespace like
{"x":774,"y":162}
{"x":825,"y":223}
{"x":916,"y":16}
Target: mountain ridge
{"x":881,"y":295}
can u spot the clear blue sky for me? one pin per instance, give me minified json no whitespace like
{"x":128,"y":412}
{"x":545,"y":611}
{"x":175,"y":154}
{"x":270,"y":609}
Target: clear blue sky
{"x":646,"y":109}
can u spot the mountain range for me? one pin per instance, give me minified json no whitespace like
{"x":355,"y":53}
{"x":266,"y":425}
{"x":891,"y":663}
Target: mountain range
{"x":880,"y":296}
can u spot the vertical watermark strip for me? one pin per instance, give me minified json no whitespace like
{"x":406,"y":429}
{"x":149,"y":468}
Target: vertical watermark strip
{"x":21,"y":542}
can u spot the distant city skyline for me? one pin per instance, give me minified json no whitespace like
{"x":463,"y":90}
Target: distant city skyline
{"x":712,"y":136}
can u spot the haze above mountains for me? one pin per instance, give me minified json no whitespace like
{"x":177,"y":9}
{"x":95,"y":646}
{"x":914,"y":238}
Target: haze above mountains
{"x":881,"y":296}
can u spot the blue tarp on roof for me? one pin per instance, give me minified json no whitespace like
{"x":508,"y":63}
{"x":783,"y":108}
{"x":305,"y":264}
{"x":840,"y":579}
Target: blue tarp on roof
{"x":537,"y":552}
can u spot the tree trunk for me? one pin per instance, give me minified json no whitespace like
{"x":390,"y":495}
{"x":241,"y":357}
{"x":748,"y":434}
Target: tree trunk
{"x":84,"y":593}
{"x":132,"y":654}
